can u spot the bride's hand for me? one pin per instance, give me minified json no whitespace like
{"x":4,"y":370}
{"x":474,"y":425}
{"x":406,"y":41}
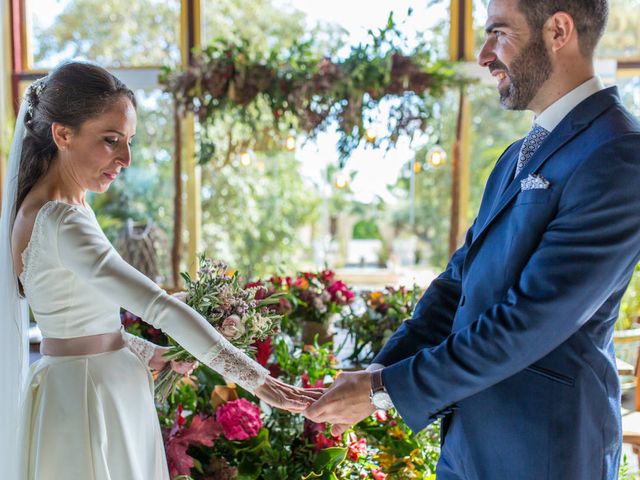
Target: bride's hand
{"x":182,"y":296}
{"x":184,"y":368}
{"x":286,"y":397}
{"x":159,"y":361}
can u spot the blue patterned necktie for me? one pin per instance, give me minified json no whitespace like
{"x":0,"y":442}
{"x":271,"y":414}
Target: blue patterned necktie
{"x":531,"y":143}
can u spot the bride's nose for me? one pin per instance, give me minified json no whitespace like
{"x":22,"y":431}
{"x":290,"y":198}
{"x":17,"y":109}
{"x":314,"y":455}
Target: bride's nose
{"x":124,"y":157}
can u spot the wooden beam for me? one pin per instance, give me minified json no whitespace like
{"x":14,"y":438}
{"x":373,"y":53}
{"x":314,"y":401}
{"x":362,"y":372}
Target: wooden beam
{"x":461,"y":48}
{"x":190,"y":38}
{"x":176,"y":250}
{"x":6,"y":92}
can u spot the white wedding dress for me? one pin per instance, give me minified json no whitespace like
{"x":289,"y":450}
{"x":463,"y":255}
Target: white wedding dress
{"x":92,"y":417}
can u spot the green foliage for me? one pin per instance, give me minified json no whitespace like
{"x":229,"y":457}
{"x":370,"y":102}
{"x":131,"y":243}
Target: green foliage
{"x":327,"y":461}
{"x":384,"y":312}
{"x":625,"y":473}
{"x":114,"y":34}
{"x":402,"y":454}
{"x":630,"y":305}
{"x":317,"y":362}
{"x":365,"y":230}
{"x":254,"y":221}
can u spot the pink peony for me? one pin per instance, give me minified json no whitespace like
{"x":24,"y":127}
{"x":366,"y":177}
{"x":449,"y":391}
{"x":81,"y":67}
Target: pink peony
{"x":239,"y":419}
{"x":232,"y":327}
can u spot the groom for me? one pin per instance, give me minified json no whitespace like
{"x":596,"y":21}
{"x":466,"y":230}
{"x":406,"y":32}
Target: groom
{"x":512,"y":344}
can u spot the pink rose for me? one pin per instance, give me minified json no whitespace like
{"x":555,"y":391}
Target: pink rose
{"x":232,"y":327}
{"x":239,"y":419}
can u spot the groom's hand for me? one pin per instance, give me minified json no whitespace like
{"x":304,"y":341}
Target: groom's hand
{"x":347,"y":402}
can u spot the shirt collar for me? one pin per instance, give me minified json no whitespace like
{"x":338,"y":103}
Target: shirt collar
{"x":553,"y":115}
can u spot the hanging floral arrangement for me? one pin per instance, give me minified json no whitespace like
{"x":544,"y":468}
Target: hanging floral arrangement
{"x":265,"y":97}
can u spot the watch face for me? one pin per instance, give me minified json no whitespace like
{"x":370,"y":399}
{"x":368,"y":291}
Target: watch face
{"x":382,"y":401}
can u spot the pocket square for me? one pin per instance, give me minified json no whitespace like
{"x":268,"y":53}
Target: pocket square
{"x":534,"y":182}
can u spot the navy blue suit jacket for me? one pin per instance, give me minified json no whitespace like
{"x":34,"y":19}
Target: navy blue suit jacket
{"x":512,"y":344}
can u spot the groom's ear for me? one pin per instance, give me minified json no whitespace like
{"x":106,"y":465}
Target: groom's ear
{"x":61,"y":135}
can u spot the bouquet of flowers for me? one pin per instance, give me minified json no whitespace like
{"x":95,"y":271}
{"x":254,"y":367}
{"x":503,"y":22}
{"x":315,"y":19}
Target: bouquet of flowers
{"x":243,"y":315}
{"x":316,"y":296}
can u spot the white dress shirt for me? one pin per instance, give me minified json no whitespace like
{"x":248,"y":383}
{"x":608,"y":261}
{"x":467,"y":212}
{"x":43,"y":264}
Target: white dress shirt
{"x":554,"y":113}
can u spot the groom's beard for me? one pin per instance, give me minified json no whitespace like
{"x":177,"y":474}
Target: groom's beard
{"x":527,"y":74}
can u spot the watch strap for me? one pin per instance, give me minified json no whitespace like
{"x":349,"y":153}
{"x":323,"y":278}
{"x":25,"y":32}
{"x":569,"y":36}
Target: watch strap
{"x":376,"y":381}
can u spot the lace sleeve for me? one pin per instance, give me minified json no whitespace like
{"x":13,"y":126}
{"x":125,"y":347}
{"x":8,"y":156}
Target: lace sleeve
{"x":235,"y":366}
{"x":142,"y":348}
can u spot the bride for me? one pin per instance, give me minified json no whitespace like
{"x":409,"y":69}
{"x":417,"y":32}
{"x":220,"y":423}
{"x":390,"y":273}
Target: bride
{"x":85,"y":410}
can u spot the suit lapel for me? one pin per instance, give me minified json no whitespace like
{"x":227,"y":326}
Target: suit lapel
{"x":573,"y":124}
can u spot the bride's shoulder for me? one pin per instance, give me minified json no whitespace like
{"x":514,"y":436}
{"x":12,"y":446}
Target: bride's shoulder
{"x":38,"y":210}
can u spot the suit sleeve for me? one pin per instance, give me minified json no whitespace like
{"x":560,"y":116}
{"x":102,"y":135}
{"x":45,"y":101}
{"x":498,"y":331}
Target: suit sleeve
{"x":589,"y":250}
{"x":84,"y":250}
{"x":433,"y":316}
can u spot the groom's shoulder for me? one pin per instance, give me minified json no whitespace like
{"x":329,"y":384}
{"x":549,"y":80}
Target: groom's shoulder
{"x":617,"y":121}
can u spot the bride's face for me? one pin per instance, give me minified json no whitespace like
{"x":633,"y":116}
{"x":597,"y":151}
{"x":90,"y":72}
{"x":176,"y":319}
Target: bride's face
{"x":95,"y":154}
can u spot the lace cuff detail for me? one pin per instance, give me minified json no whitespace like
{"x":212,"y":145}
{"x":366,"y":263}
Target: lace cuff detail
{"x":143,"y":349}
{"x":235,"y":366}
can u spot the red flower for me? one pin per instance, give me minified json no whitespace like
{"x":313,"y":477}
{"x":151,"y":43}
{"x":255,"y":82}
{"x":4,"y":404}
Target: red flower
{"x":284,"y":306}
{"x":274,"y":370}
{"x":180,"y":417}
{"x":239,"y":419}
{"x":129,"y":319}
{"x":263,"y":350}
{"x":306,"y":384}
{"x":381,"y":416}
{"x":312,"y":429}
{"x":202,"y":431}
{"x":254,"y":284}
{"x":356,"y":447}
{"x":262,"y":293}
{"x":322,"y":441}
{"x":327,"y":276}
{"x":340,"y":293}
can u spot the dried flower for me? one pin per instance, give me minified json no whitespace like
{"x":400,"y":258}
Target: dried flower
{"x":232,"y":327}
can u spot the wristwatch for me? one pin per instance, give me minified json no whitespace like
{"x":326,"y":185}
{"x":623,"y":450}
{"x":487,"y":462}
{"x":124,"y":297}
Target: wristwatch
{"x":379,"y":396}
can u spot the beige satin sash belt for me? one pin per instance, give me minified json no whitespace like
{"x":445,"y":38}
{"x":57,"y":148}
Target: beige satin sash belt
{"x":89,"y":345}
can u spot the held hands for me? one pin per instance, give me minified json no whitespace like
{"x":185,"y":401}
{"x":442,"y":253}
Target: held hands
{"x":347,"y":402}
{"x":286,"y":397}
{"x":274,"y":392}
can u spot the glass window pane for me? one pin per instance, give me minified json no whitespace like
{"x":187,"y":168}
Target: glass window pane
{"x":112,"y":33}
{"x":630,"y":93}
{"x":622,"y":38}
{"x":331,"y":22}
{"x":145,"y":191}
{"x":493,"y":129}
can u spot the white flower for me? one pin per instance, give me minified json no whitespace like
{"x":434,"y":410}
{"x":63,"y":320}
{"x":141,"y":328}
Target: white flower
{"x":319,"y":305}
{"x":232,"y":327}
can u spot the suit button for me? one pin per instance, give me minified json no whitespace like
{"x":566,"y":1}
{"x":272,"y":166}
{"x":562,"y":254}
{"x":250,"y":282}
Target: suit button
{"x":463,"y":300}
